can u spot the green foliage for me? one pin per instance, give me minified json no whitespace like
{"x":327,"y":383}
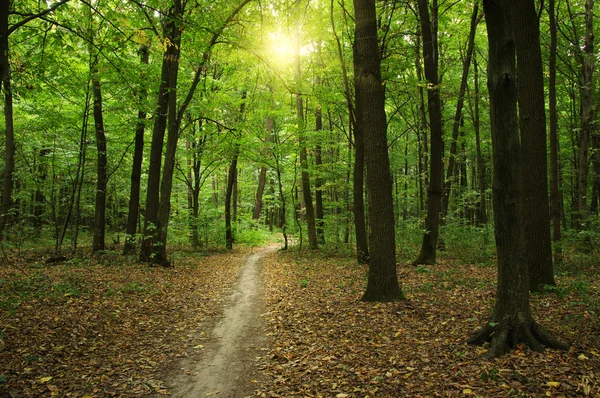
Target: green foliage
{"x":469,"y":244}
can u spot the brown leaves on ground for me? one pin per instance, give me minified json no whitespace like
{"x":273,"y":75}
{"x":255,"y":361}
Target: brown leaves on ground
{"x":105,"y":326}
{"x":326,"y":343}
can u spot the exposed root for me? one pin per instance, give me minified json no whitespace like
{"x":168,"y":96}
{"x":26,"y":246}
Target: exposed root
{"x":503,"y":338}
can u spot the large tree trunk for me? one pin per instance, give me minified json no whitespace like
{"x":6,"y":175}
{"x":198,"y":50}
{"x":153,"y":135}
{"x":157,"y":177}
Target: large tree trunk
{"x":170,"y":63}
{"x":512,"y":321}
{"x":159,"y":252}
{"x":382,"y":282}
{"x":358,"y":207}
{"x":136,"y":168}
{"x":434,"y":191}
{"x":459,"y":106}
{"x":532,"y":123}
{"x":102,"y":176}
{"x":587,"y":115}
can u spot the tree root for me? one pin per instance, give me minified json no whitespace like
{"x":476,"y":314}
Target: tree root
{"x":504,"y":337}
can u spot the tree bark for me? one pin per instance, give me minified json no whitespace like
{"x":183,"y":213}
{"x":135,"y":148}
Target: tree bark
{"x":554,"y":187}
{"x":102,"y":176}
{"x":358,"y":206}
{"x":587,"y":115}
{"x":228,"y":195}
{"x":382,"y":282}
{"x":319,"y":213}
{"x":231,"y":178}
{"x":481,"y":212}
{"x":170,"y":62}
{"x":512,"y":321}
{"x":9,"y":143}
{"x":136,"y":168}
{"x":532,"y":123}
{"x":459,"y":106}
{"x":262,"y":176}
{"x":9,"y":152}
{"x":304,"y":176}
{"x":434,"y":191}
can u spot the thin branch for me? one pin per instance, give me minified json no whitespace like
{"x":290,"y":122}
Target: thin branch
{"x":35,"y":16}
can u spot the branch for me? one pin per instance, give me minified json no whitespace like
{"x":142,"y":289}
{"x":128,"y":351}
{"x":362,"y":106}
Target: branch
{"x":35,"y":16}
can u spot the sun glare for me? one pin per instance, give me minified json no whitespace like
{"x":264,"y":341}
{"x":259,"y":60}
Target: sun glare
{"x":282,"y":48}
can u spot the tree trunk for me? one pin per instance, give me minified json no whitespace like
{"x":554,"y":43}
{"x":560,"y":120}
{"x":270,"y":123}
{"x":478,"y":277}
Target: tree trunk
{"x":169,"y":64}
{"x":136,"y":169}
{"x":9,"y":151}
{"x":554,"y":189}
{"x":262,"y":176}
{"x":358,"y":207}
{"x":482,"y":217}
{"x":382,"y":282}
{"x":320,"y":227}
{"x":304,"y":177}
{"x":459,"y":106}
{"x":587,"y":115}
{"x":102,"y":176}
{"x":434,"y":191}
{"x":228,"y":194}
{"x":512,"y":321}
{"x":159,"y":252}
{"x":532,"y":123}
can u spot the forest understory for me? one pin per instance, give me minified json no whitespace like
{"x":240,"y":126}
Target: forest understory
{"x":104,"y":326}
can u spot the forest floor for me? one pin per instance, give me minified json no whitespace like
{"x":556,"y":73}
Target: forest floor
{"x":105,"y":326}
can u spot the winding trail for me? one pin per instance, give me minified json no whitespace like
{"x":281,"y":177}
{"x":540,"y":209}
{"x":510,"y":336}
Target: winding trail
{"x":227,"y":367}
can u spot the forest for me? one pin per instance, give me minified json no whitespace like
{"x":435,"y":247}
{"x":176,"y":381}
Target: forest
{"x":410,"y":189}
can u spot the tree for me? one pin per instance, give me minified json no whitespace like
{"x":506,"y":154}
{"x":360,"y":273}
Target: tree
{"x":434,"y":191}
{"x":588,"y":64}
{"x":511,"y":321}
{"x":136,"y":168}
{"x":554,"y":190}
{"x":370,"y":104}
{"x":459,"y":106}
{"x":6,"y":85}
{"x":170,"y":65}
{"x":358,"y":207}
{"x":102,"y":177}
{"x":304,"y":178}
{"x":532,"y":123}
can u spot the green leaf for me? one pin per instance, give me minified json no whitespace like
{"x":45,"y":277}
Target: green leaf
{"x":3,"y":379}
{"x":492,"y":324}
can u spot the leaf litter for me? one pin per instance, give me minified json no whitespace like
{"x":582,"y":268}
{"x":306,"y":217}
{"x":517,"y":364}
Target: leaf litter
{"x":109,"y":327}
{"x":106,"y":326}
{"x":325,"y":342}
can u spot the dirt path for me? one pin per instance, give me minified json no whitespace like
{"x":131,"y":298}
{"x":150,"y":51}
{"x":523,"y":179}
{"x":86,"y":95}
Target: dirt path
{"x":226,"y":367}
